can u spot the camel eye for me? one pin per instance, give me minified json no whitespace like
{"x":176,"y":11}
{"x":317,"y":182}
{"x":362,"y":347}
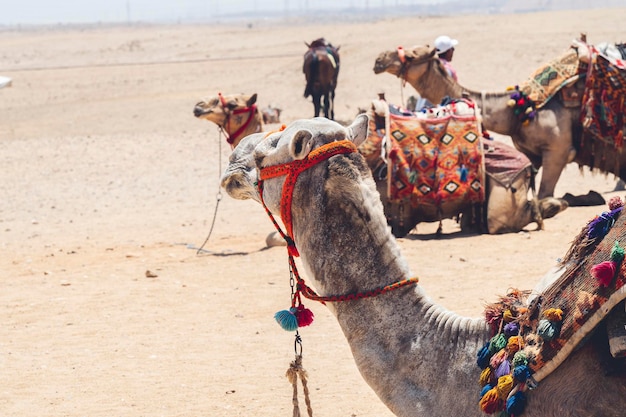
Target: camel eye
{"x":232,"y":105}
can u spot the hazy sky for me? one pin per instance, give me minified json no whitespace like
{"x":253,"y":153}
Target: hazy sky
{"x":89,"y":11}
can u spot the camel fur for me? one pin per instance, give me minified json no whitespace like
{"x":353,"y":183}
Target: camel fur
{"x":418,"y":357}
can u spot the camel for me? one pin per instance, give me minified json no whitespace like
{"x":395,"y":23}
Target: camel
{"x":321,"y":69}
{"x":235,"y":114}
{"x":418,"y":357}
{"x":237,"y":117}
{"x":551,"y":141}
{"x":509,"y":196}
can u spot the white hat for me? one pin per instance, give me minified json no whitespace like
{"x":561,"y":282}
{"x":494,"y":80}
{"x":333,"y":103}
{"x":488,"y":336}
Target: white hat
{"x":443,"y":43}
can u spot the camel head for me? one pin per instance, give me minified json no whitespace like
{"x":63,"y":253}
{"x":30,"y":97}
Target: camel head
{"x":236,"y":115}
{"x":293,"y":143}
{"x":216,"y":109}
{"x":397,"y":61}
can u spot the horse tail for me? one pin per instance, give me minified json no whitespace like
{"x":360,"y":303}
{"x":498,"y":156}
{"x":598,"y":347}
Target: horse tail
{"x":313,"y":65}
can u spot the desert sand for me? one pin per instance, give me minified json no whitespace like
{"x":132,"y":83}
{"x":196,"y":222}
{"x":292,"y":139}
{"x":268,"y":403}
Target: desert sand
{"x":110,"y":185}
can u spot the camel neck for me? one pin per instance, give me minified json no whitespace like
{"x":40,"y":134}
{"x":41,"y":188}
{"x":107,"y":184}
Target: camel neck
{"x":346,"y":246}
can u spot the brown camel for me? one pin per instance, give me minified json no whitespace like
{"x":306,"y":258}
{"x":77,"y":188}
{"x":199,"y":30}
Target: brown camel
{"x":321,"y":69}
{"x":418,"y":357}
{"x":551,"y":141}
{"x":236,"y":115}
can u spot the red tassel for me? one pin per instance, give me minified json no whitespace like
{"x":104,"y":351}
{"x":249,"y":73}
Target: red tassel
{"x":604,"y":272}
{"x":304,"y":316}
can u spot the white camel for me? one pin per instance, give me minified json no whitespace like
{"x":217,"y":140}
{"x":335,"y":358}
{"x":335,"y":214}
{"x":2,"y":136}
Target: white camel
{"x":418,"y":357}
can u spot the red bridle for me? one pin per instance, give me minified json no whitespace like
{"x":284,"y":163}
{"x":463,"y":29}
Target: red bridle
{"x":292,"y":170}
{"x":230,"y":136}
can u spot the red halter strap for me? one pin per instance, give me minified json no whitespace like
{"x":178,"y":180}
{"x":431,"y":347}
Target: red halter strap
{"x":230,"y":136}
{"x":292,"y":170}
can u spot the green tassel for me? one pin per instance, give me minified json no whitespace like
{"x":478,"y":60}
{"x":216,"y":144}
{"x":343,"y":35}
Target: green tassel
{"x":617,"y":253}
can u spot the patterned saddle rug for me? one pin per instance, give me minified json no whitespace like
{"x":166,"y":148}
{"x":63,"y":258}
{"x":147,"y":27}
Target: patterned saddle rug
{"x":434,"y":159}
{"x":603,"y":101}
{"x":549,"y":79}
{"x":532,"y":340}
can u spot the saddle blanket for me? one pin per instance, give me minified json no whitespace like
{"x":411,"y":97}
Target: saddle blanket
{"x":434,"y":158}
{"x":603,"y":100}
{"x":548,"y":80}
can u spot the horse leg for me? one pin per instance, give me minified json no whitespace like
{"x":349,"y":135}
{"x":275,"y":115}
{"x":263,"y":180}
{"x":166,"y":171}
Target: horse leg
{"x":317,"y":103}
{"x":327,"y":109}
{"x":332,"y":104}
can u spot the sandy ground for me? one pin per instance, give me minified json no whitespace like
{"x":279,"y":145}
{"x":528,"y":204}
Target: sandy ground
{"x":109,"y":184}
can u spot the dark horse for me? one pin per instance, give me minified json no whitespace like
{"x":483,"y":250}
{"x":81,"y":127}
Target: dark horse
{"x":321,"y":68}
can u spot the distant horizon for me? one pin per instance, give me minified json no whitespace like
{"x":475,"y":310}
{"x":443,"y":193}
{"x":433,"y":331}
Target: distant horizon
{"x":78,"y":12}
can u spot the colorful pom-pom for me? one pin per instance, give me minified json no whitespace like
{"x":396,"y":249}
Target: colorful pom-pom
{"x":490,"y":403}
{"x":483,"y":357}
{"x":485,"y":377}
{"x":507,"y":316}
{"x":615,"y":202}
{"x":511,"y":329}
{"x":304,"y":316}
{"x":521,"y":373}
{"x":514,"y":344}
{"x":510,"y":103}
{"x":617,"y":253}
{"x":516,"y":404}
{"x":497,"y":343}
{"x":553,"y":314}
{"x":484,"y":390}
{"x":548,"y":330}
{"x":503,"y":369}
{"x":287,"y":319}
{"x":604,"y":272}
{"x":520,"y":359}
{"x":498,"y":358}
{"x":504,"y":387}
{"x":600,"y":225}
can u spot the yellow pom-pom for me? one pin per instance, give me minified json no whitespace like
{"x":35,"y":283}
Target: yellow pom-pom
{"x":485,"y":376}
{"x":553,"y":314}
{"x":490,"y":403}
{"x":504,"y":387}
{"x":510,"y":103}
{"x":514,"y":344}
{"x":507,"y":316}
{"x":528,"y":109}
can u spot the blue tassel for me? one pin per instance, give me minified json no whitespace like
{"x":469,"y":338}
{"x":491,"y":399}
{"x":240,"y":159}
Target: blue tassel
{"x":287,"y":319}
{"x":548,"y":330}
{"x":601,"y":225}
{"x":521,"y":373}
{"x":485,"y":389}
{"x":483,"y":356}
{"x":516,"y":404}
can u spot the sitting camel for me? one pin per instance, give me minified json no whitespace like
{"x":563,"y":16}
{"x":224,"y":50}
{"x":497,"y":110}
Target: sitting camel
{"x":429,"y":168}
{"x":552,"y":140}
{"x":419,"y":358}
{"x":236,"y":115}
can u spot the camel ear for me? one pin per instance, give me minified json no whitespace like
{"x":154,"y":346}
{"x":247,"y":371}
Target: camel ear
{"x":300,"y":145}
{"x":433,"y":51}
{"x":251,"y":100}
{"x":358,"y":130}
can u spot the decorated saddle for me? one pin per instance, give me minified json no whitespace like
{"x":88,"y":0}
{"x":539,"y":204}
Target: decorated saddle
{"x":432,"y":159}
{"x":530,"y":340}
